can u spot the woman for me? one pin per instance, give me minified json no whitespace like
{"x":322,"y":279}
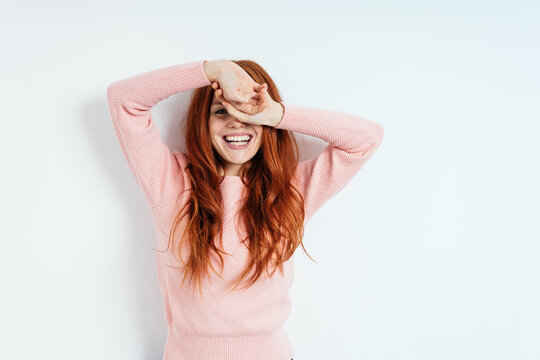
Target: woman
{"x":237,"y":191}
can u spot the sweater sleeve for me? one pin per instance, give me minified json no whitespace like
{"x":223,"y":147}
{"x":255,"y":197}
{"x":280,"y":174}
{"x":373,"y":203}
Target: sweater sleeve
{"x":351,"y":139}
{"x":160,"y":173}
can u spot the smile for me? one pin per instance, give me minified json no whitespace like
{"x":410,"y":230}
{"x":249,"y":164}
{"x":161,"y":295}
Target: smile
{"x":238,"y":145}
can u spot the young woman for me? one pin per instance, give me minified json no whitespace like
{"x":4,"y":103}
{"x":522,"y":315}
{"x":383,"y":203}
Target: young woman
{"x":238,"y":191}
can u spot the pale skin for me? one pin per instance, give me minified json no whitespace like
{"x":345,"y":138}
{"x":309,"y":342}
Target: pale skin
{"x":240,"y":105}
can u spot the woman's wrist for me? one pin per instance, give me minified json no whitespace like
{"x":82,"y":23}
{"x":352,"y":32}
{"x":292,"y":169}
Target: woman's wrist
{"x":213,"y":68}
{"x":279,"y":112}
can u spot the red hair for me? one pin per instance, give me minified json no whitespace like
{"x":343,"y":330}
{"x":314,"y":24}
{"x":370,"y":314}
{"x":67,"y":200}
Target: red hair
{"x":273,"y":211}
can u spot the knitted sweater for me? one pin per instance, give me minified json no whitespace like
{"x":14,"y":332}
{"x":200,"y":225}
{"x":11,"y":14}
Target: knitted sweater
{"x":244,"y":324}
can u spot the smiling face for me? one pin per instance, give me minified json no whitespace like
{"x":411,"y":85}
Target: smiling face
{"x":235,"y":153}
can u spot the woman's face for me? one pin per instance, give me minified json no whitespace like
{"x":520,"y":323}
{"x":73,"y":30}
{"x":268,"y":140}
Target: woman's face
{"x":235,"y":154}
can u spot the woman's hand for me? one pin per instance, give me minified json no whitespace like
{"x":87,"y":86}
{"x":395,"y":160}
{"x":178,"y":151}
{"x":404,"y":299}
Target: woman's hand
{"x":237,"y":85}
{"x":262,"y":110}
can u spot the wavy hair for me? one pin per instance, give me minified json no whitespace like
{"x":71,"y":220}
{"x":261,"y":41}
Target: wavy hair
{"x":273,"y":211}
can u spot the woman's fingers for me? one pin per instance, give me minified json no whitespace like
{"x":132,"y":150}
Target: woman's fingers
{"x":259,"y":101}
{"x":230,"y":109}
{"x":248,"y":97}
{"x":260,"y":87}
{"x":256,"y":101}
{"x":246,"y":108}
{"x":252,"y":108}
{"x":262,"y":103}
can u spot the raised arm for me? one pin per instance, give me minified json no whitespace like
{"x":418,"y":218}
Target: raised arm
{"x":160,"y":173}
{"x":352,"y":140}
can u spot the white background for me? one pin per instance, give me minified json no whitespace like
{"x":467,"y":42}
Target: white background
{"x":431,"y":252}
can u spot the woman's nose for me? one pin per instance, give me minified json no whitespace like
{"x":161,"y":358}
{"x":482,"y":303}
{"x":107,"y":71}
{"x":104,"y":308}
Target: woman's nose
{"x":234,"y":121}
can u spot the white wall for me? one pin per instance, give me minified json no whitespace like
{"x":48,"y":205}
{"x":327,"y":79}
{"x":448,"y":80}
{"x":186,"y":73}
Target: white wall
{"x":431,"y":252}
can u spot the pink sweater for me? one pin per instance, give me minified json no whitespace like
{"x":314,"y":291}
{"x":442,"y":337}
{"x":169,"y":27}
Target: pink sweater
{"x":244,"y":324}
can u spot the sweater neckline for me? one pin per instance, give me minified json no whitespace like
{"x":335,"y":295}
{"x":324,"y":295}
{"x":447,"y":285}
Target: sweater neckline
{"x":231,"y":179}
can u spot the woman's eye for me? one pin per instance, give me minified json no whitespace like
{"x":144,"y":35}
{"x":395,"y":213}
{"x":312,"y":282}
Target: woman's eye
{"x":217,"y":111}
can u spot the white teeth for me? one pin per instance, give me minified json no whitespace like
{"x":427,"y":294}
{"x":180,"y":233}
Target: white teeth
{"x":239,"y":143}
{"x":237,"y":138}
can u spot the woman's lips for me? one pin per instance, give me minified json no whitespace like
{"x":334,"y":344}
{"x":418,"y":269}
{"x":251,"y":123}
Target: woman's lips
{"x":238,"y":147}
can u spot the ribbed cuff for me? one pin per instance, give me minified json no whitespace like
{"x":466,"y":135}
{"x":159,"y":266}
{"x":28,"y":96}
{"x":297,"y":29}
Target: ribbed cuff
{"x":189,"y":75}
{"x":297,"y":118}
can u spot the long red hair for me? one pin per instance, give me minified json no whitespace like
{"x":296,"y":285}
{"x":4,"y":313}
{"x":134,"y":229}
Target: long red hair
{"x":273,"y":211}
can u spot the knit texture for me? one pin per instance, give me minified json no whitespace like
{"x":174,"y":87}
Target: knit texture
{"x":244,"y":324}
